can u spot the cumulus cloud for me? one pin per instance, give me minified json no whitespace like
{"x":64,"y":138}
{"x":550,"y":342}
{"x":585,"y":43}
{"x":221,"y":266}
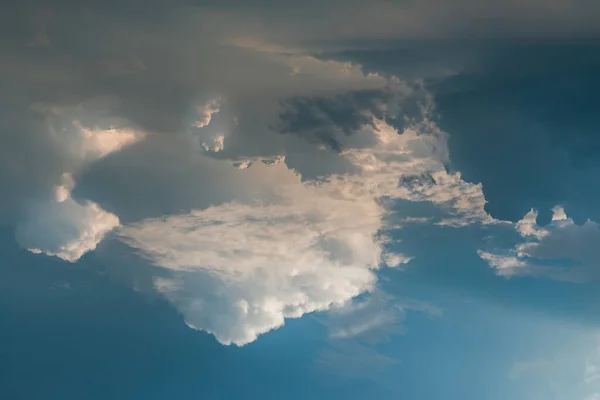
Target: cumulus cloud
{"x":239,"y":269}
{"x":211,"y":138}
{"x":319,"y":146}
{"x":561,"y":250}
{"x":206,"y":112}
{"x":63,"y":227}
{"x":56,"y":224}
{"x":246,"y":267}
{"x":296,"y":227}
{"x":66,"y":229}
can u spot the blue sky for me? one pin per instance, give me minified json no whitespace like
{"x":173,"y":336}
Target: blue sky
{"x":275,"y":200}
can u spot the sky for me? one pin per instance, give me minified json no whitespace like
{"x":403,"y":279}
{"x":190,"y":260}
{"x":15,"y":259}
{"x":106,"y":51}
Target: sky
{"x":300,"y":200}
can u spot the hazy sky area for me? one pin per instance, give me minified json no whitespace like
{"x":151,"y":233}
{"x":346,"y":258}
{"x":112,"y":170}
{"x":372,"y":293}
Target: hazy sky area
{"x":289,"y":200}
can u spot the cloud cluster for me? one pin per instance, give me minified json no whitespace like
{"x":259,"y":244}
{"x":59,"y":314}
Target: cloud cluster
{"x":560,"y":250}
{"x":263,"y":184}
{"x":263,"y":181}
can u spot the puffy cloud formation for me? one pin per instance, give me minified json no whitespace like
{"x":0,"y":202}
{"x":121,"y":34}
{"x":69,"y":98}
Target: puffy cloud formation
{"x":319,"y":146}
{"x":321,"y":149}
{"x":65,"y":229}
{"x":561,"y":250}
{"x":241,"y":267}
{"x":56,"y":224}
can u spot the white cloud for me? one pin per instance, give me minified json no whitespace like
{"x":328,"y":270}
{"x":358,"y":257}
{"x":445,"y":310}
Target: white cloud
{"x":59,"y":225}
{"x":375,"y":316}
{"x":393,"y":260}
{"x":558,"y":214}
{"x":216,"y":144}
{"x":312,"y":248}
{"x":241,"y":268}
{"x":65,"y":229}
{"x":561,"y":250}
{"x":206,"y":112}
{"x":527,"y":226}
{"x":62,"y":227}
{"x":505,"y":264}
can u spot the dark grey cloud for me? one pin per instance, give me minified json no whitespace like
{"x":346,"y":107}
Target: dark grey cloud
{"x":319,"y":118}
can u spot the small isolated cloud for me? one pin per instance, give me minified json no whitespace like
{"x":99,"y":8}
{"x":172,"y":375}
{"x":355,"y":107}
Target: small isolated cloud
{"x":208,"y":134}
{"x":394,"y":260}
{"x":561,"y":250}
{"x":206,"y":112}
{"x":374,"y":317}
{"x":63,"y":227}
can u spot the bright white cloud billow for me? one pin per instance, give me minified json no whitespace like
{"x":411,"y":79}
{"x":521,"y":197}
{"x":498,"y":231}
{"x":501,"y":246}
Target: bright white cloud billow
{"x":65,"y":229}
{"x":241,"y":268}
{"x":59,"y":225}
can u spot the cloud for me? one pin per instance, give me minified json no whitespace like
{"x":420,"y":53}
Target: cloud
{"x":55,"y":223}
{"x":93,"y":139}
{"x":561,"y":250}
{"x":65,"y":229}
{"x":298,"y":230}
{"x":369,"y":318}
{"x":243,"y":268}
{"x":240,"y":268}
